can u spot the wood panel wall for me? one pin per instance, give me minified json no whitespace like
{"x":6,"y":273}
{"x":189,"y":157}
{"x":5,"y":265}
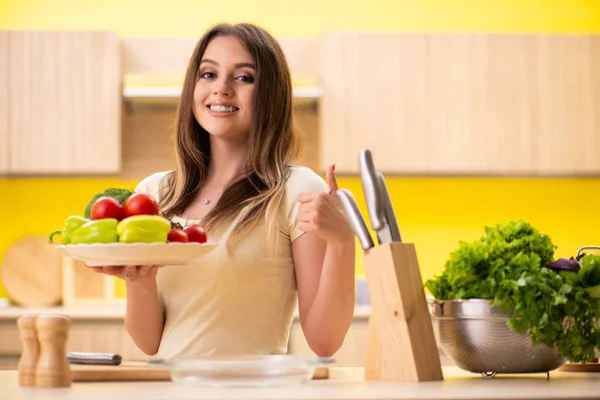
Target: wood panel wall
{"x":64,"y":96}
{"x":423,"y":103}
{"x":462,"y":103}
{"x":148,"y":144}
{"x":166,"y":59}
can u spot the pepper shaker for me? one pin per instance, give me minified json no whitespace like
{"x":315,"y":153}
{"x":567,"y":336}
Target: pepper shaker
{"x":53,"y":369}
{"x":30,"y":349}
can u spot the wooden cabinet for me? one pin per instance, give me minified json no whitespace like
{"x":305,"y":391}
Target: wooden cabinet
{"x":4,"y":103}
{"x":64,"y":96}
{"x":148,"y":144}
{"x":462,"y":103}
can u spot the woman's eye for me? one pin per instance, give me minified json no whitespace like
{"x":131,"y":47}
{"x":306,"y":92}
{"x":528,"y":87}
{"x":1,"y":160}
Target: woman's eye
{"x":246,"y":78}
{"x":207,"y":75}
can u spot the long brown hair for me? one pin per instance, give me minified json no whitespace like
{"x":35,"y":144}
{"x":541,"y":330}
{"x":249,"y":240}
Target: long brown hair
{"x":272,"y":144}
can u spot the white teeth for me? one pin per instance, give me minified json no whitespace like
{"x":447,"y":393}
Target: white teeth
{"x":223,"y":109}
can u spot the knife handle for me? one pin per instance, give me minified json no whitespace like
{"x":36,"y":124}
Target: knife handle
{"x":94,"y":358}
{"x":388,"y":211}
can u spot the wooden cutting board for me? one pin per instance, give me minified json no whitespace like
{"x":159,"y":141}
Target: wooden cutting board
{"x":139,"y":371}
{"x":32,"y":272}
{"x":125,"y":372}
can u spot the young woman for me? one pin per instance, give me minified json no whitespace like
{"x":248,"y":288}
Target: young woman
{"x":281,"y":237}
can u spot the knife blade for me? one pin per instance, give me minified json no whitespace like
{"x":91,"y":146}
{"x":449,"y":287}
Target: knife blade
{"x":371,"y":190}
{"x":388,"y":211}
{"x":93,"y":358}
{"x":355,"y":218}
{"x":374,"y":197}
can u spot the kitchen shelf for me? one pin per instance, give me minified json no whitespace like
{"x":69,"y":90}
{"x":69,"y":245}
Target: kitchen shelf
{"x":173,"y":92}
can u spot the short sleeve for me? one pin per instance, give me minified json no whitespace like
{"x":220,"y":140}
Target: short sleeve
{"x":301,"y":180}
{"x":151,"y":185}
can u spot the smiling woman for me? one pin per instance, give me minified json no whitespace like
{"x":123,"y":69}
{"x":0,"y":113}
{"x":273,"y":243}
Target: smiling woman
{"x":280,"y":235}
{"x":223,"y":94}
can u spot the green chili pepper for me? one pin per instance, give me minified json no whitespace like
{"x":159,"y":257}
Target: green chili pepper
{"x":97,"y":231}
{"x":144,"y":229}
{"x":71,"y":224}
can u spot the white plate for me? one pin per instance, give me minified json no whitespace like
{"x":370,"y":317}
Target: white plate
{"x":100,"y":254}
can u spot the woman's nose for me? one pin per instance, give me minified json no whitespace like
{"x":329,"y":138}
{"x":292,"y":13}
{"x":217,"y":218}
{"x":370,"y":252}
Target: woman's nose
{"x":222,"y":87}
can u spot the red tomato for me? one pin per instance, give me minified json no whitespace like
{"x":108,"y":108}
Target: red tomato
{"x":141,"y":204}
{"x":107,"y":207}
{"x":196,"y":233}
{"x":177,"y":235}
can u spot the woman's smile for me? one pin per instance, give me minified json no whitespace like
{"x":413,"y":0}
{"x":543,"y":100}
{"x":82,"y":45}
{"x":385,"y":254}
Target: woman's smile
{"x":222,"y":110}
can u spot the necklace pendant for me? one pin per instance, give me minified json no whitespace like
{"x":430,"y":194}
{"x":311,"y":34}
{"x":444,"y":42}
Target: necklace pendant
{"x":206,"y":201}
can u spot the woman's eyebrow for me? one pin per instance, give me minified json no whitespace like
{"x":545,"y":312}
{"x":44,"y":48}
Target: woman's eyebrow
{"x":238,"y":65}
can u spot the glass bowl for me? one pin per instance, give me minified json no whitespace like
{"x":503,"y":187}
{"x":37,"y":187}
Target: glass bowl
{"x":243,"y":370}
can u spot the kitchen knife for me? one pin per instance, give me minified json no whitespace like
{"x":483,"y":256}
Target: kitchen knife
{"x":355,"y":219}
{"x":371,"y":190}
{"x":93,"y":358}
{"x":374,"y":197}
{"x":388,"y":210}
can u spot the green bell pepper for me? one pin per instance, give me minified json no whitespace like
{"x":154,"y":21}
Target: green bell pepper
{"x":144,"y":229}
{"x":72,"y":223}
{"x":97,"y":231}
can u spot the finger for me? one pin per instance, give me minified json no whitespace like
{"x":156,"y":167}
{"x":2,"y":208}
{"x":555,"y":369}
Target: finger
{"x":144,"y":269}
{"x":304,"y":216}
{"x":155,"y":269}
{"x":305,"y":226}
{"x":112,"y":270}
{"x":130,"y":272}
{"x":305,"y":207}
{"x":305,"y":197}
{"x":331,"y":181}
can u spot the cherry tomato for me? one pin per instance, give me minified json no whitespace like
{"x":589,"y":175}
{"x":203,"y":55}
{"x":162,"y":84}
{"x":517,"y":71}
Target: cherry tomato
{"x":141,"y":204}
{"x":196,"y":233}
{"x":177,"y":235}
{"x":107,"y":207}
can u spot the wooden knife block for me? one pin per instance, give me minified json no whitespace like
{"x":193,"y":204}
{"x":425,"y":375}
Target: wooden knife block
{"x":401,"y":345}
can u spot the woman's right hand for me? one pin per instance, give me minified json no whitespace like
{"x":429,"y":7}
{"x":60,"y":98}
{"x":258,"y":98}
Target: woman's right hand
{"x":137,"y":273}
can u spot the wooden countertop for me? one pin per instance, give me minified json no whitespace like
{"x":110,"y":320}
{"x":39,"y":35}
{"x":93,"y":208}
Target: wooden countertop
{"x":344,"y":383}
{"x":116,"y":312}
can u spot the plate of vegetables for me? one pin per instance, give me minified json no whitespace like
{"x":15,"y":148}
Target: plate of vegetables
{"x":120,"y":227}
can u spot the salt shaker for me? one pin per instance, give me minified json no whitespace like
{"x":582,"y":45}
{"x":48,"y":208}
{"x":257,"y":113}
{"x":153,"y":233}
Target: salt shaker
{"x":30,"y":349}
{"x":53,"y":369}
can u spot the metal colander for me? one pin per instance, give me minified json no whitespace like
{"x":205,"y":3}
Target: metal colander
{"x":476,"y":338}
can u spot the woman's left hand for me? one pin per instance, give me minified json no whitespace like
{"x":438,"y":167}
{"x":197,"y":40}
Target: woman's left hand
{"x":323,"y":214}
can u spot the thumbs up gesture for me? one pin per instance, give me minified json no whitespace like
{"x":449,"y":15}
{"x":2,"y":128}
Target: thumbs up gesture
{"x":323,"y":215}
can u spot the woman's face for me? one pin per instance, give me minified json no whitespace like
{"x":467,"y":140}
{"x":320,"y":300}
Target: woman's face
{"x":223,"y":95}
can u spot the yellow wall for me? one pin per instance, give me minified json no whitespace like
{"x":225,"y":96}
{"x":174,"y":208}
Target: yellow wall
{"x":434,"y":213}
{"x":303,"y":18}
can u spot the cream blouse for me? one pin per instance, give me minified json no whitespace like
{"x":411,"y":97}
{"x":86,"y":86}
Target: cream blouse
{"x":238,"y":303}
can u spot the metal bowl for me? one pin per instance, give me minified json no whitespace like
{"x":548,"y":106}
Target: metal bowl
{"x":474,"y":335}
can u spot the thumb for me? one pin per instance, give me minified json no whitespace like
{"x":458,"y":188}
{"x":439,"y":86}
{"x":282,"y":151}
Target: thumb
{"x":331,"y":181}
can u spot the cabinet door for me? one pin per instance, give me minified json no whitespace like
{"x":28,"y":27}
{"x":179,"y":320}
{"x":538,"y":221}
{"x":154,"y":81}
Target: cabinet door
{"x":462,"y":103}
{"x":4,"y":113}
{"x":64,"y":103}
